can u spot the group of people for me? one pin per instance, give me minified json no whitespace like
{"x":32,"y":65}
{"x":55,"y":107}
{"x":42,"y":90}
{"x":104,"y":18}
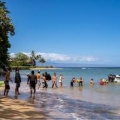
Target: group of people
{"x":79,"y":81}
{"x":36,"y":80}
{"x":33,"y":80}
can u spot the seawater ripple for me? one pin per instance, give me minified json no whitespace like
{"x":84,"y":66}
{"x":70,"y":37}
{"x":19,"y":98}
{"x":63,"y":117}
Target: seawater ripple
{"x":74,"y":109}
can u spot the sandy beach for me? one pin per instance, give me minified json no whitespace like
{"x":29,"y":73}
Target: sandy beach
{"x":12,"y":108}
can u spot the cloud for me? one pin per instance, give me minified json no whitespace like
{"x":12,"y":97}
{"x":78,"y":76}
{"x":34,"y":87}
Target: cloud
{"x":54,"y":57}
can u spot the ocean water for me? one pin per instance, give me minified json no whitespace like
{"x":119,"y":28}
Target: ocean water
{"x":78,"y":102}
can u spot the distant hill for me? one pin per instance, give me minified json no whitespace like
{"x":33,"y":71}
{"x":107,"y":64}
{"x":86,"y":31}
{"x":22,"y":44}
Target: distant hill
{"x":55,"y":64}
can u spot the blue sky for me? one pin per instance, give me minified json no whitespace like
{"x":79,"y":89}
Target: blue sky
{"x":68,"y":31}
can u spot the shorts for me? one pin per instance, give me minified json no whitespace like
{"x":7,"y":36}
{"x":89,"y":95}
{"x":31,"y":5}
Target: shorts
{"x":17,"y":85}
{"x":39,"y":83}
{"x":32,"y":86}
{"x":7,"y":86}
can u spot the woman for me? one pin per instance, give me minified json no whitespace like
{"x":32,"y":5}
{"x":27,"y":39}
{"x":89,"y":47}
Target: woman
{"x":61,"y":80}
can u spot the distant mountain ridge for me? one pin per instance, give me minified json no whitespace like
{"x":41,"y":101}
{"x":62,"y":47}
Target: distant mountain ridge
{"x":55,"y":64}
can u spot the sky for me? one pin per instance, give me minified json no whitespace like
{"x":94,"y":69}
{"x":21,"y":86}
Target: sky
{"x":67,"y":31}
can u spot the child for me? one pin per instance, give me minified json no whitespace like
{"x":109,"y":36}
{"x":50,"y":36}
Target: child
{"x":91,"y":82}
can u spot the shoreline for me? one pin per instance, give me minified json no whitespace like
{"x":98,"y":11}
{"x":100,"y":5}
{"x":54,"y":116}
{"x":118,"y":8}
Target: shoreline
{"x":44,"y":68}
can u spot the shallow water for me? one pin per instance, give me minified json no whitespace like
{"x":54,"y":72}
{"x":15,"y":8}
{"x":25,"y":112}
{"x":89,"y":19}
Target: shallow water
{"x":84,"y":102}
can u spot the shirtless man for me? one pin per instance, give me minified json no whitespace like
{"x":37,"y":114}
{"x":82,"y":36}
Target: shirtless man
{"x":38,"y":79}
{"x":6,"y":82}
{"x":54,"y":80}
{"x":32,"y":80}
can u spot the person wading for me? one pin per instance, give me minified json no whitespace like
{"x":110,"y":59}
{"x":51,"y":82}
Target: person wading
{"x":6,"y":82}
{"x":54,"y":80}
{"x":32,"y":80}
{"x":17,"y":81}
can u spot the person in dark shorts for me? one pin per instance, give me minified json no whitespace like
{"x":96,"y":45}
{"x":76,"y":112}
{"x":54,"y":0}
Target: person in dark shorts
{"x":72,"y":82}
{"x":32,"y":80}
{"x":17,"y":81}
{"x":6,"y":82}
{"x":81,"y":81}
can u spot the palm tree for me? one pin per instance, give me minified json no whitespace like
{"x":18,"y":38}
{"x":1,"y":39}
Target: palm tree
{"x":42,"y":60}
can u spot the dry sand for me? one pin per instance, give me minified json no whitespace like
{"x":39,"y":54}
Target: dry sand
{"x":11,"y":108}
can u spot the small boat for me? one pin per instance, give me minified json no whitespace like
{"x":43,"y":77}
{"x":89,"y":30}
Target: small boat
{"x":117,"y":79}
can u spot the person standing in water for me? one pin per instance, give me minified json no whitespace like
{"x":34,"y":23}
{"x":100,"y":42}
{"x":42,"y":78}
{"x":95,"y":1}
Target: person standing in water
{"x":32,"y":80}
{"x":44,"y":81}
{"x":61,"y":80}
{"x":17,"y":81}
{"x":54,"y":80}
{"x":91,"y":82}
{"x":81,"y":81}
{"x":6,"y":82}
{"x":72,"y":82}
{"x":38,"y":79}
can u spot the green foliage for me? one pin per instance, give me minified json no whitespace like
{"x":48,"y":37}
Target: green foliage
{"x":34,"y":57}
{"x":28,"y":67}
{"x":20,"y":59}
{"x":42,"y":60}
{"x":6,"y":28}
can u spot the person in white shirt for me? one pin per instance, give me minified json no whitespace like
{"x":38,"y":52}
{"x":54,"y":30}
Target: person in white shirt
{"x":61,"y":80}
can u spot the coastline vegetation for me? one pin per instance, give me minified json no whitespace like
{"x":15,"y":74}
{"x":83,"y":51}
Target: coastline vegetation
{"x":29,"y":67}
{"x":6,"y":29}
{"x":26,"y":62}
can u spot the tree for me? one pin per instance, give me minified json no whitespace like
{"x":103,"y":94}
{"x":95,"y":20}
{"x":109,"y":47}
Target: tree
{"x":42,"y":60}
{"x":6,"y":29}
{"x":34,"y":57}
{"x":20,"y":59}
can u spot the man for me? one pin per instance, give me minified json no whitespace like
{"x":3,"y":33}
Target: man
{"x":32,"y":80}
{"x":54,"y":80}
{"x":6,"y":82}
{"x":17,"y":81}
